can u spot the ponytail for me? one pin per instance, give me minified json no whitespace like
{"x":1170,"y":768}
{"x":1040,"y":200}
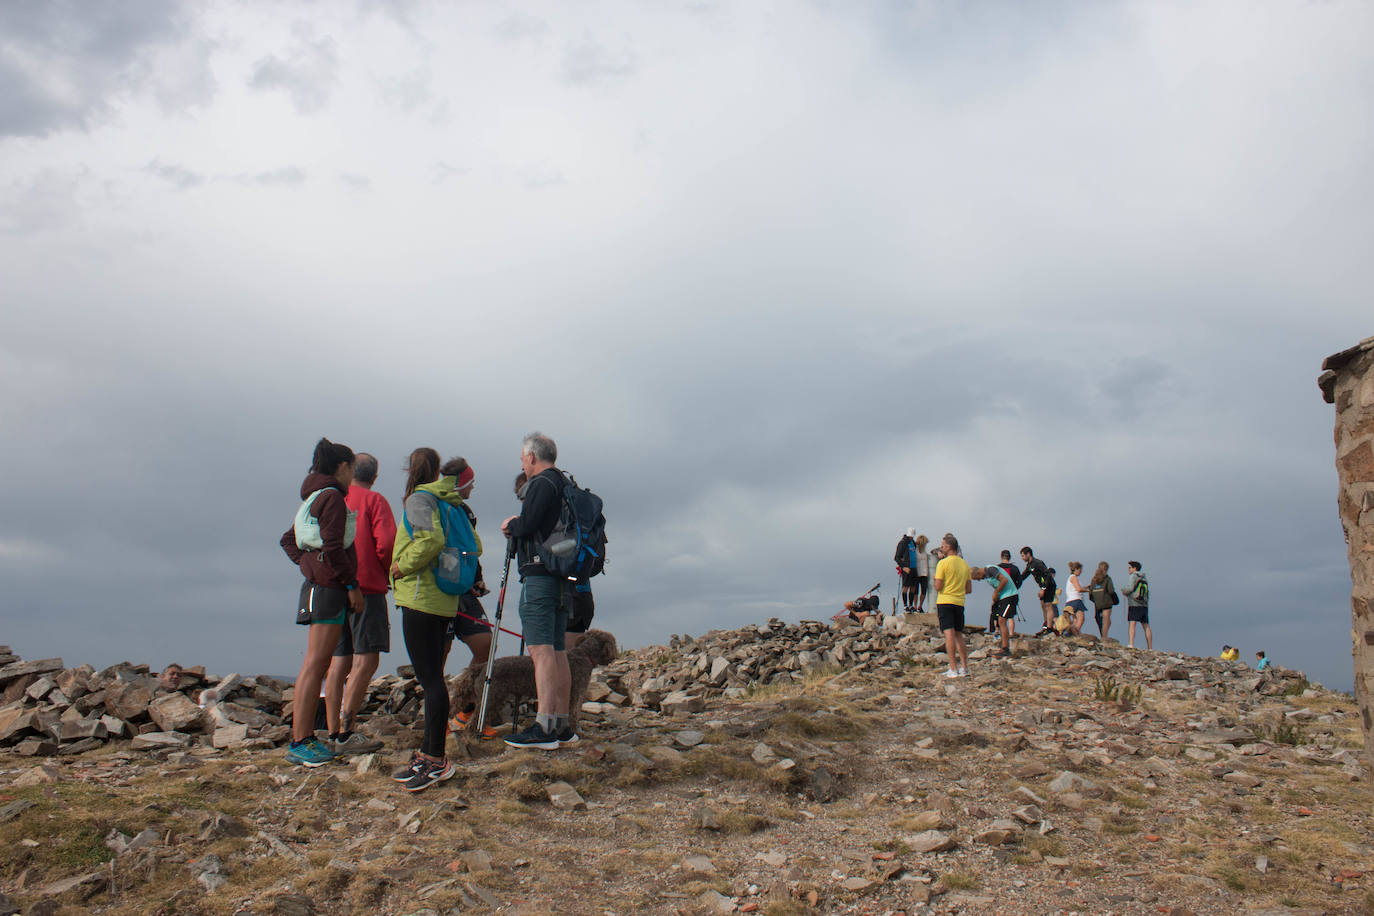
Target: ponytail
{"x":328,"y":456}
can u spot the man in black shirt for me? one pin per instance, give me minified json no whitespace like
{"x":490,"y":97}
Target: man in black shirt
{"x":1036,"y":570}
{"x":544,"y":598}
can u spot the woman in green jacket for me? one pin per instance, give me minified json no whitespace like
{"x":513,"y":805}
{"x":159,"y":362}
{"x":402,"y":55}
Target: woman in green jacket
{"x":426,"y":610}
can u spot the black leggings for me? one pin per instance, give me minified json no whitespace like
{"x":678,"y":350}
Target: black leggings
{"x":922,"y":589}
{"x":426,"y":635}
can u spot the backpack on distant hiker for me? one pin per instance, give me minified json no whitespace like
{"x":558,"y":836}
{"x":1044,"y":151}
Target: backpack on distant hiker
{"x":576,"y":548}
{"x":455,"y":569}
{"x":1012,"y":572}
{"x":307,"y":526}
{"x":1141,"y":591}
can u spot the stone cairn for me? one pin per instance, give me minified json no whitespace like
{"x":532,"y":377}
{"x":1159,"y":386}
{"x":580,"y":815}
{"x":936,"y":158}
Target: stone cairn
{"x":47,"y":709}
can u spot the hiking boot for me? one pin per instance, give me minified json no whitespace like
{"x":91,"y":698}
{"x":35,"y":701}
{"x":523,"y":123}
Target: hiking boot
{"x":403,"y":774}
{"x":309,"y":753}
{"x":356,"y":743}
{"x":535,"y":737}
{"x":427,"y":773}
{"x":567,"y":736}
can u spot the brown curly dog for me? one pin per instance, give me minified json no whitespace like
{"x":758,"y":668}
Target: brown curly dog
{"x":512,"y":679}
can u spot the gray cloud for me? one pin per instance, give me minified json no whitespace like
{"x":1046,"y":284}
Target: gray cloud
{"x":541,"y":177}
{"x":407,"y":92}
{"x":308,"y":73}
{"x":443,"y":172}
{"x":180,"y":178}
{"x":520,"y":25}
{"x":61,"y":62}
{"x":587,"y":62}
{"x":355,"y":182}
{"x":286,"y":176}
{"x":44,"y":202}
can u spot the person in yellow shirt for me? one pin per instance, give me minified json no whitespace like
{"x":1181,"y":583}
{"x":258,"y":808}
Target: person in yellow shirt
{"x":952,"y":583}
{"x":1230,"y":653}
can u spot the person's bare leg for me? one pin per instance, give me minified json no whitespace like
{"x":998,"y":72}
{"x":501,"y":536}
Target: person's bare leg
{"x":334,"y":690}
{"x":355,"y":691}
{"x":552,"y":679}
{"x":951,"y":650}
{"x":1149,"y":636}
{"x":1106,"y":623}
{"x":319,"y":649}
{"x":1130,"y":635}
{"x":480,"y":646}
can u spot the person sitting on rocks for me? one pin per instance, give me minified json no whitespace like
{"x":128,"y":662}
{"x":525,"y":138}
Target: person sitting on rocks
{"x":170,"y":678}
{"x":1230,"y":653}
{"x":862,"y":608}
{"x":1261,"y":661}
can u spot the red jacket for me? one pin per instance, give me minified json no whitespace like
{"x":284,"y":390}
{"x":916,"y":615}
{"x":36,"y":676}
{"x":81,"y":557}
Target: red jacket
{"x":375,"y":538}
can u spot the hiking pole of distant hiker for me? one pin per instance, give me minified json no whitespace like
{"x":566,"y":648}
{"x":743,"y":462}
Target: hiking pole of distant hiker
{"x":495,"y":635}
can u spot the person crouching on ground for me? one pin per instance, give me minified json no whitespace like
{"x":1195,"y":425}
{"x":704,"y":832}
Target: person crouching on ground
{"x":544,"y":598}
{"x":1005,"y":599}
{"x":329,"y":592}
{"x":426,"y":610}
{"x":952,"y":584}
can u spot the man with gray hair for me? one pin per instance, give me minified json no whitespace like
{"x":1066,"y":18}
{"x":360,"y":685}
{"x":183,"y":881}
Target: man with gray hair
{"x":364,"y":636}
{"x":544,"y":597}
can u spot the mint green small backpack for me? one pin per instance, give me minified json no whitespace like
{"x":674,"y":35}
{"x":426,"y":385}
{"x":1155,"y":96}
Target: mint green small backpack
{"x":308,"y":526}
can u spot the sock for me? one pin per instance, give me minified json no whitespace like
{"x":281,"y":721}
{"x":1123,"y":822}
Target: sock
{"x":295,"y":743}
{"x":334,"y":736}
{"x":560,"y":723}
{"x":343,"y":736}
{"x":545,"y":721}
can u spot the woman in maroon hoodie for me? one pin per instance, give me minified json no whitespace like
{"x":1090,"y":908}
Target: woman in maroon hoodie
{"x":330,"y":590}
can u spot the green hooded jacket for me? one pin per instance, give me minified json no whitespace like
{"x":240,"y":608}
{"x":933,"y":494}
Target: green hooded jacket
{"x":414,"y":555}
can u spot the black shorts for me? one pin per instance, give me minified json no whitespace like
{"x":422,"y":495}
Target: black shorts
{"x":368,"y":632}
{"x":321,"y":604}
{"x":463,"y":627}
{"x":583,"y":607}
{"x":1138,"y":614}
{"x":951,"y":616}
{"x":910,"y":579}
{"x":1006,"y":608}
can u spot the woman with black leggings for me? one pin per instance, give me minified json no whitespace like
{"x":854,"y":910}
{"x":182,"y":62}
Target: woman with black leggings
{"x":426,"y":610}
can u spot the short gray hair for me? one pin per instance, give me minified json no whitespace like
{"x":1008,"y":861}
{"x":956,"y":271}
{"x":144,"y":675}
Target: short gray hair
{"x":540,"y":447}
{"x":365,"y":468}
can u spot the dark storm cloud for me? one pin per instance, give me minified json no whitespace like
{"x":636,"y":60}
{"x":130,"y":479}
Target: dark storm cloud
{"x":60,"y":62}
{"x":307,"y":73}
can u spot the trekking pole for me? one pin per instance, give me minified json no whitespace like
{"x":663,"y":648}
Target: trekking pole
{"x":495,"y":634}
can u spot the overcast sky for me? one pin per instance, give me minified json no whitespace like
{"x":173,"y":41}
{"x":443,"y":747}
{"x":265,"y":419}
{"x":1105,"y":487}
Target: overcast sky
{"x":781,"y":279}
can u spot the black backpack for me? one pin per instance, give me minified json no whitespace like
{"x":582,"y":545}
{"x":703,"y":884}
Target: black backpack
{"x":576,"y":548}
{"x":1012,"y":573}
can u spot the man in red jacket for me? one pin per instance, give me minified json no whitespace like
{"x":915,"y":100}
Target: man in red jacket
{"x":368,"y":634}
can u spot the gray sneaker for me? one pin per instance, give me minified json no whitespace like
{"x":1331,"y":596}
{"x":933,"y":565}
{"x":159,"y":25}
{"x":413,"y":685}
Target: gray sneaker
{"x":356,"y":743}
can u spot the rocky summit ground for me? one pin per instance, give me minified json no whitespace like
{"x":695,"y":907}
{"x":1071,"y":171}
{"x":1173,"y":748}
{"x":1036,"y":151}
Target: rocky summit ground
{"x":778,"y":769}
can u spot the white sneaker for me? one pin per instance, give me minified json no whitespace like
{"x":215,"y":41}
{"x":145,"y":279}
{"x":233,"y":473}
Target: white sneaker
{"x":963,"y":672}
{"x":951,"y":673}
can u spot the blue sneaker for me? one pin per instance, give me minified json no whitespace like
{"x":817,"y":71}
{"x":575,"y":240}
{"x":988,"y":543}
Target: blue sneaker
{"x":309,"y":753}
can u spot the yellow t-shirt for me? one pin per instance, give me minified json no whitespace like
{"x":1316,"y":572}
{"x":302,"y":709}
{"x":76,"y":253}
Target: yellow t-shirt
{"x":953,"y":573}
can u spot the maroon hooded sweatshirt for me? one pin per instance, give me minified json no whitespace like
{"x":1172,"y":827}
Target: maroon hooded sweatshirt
{"x":334,"y":566}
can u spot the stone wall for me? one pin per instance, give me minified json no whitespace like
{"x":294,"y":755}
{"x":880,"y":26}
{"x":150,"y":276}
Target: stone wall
{"x":1347,"y":381}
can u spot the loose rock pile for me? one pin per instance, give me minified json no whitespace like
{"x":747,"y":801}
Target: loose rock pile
{"x":47,"y":709}
{"x":679,"y":678}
